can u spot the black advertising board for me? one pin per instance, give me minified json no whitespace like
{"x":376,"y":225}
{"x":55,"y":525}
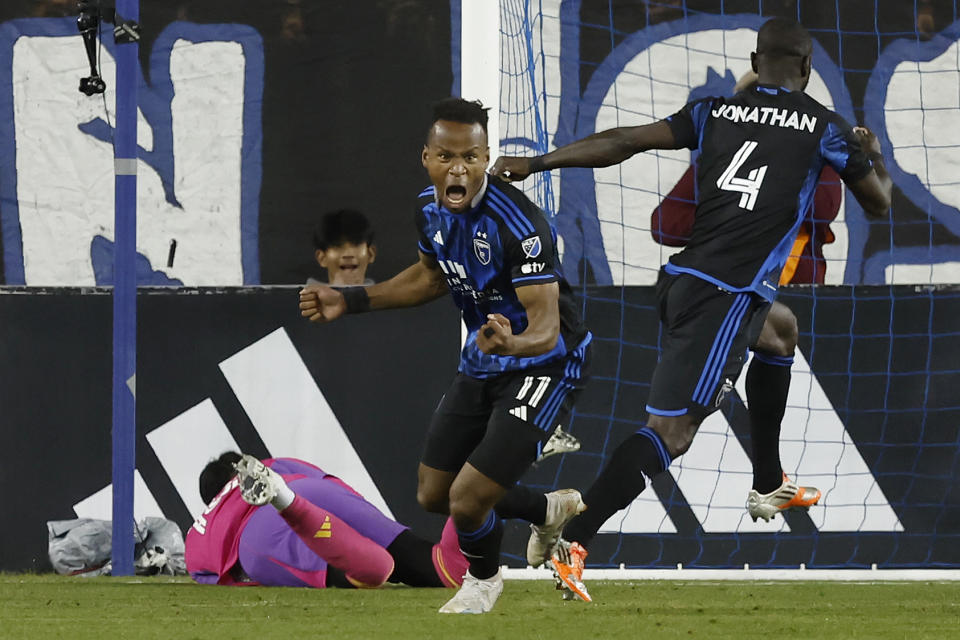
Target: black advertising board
{"x":879,"y":411}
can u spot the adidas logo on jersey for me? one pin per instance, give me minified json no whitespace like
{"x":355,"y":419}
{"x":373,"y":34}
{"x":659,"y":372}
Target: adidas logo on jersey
{"x":438,"y":238}
{"x":326,"y":529}
{"x":519,"y":412}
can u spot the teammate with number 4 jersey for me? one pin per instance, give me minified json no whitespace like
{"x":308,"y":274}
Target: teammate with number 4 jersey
{"x":525,"y":358}
{"x":761,"y":152}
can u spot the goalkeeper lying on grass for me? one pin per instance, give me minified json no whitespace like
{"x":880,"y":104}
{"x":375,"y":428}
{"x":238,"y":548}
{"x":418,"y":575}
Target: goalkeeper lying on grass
{"x":316,"y":532}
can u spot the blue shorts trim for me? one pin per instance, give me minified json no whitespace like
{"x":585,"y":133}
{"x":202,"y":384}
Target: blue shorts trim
{"x":666,"y":412}
{"x":720,"y":350}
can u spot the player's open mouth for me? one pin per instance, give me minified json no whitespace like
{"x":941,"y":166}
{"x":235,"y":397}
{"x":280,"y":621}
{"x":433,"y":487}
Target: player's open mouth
{"x":348,"y":267}
{"x":455,"y":194}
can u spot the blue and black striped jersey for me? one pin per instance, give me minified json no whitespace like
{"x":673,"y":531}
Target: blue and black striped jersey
{"x":486,"y":253}
{"x":761,"y":152}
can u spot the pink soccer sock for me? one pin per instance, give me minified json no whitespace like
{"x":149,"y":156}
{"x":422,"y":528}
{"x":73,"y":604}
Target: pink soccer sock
{"x":448,"y":561}
{"x":365,"y":563}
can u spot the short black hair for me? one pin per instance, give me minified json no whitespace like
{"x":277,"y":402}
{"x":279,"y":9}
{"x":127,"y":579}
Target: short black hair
{"x":783,"y":37}
{"x":459,"y":110}
{"x":341,"y":226}
{"x":217,"y":474}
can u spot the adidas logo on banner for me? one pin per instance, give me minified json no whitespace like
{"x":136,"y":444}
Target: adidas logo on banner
{"x":519,"y":412}
{"x":714,"y":475}
{"x":288,"y":410}
{"x":437,"y":237}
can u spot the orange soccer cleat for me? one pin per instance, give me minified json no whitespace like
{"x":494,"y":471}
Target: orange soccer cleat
{"x":787,"y":496}
{"x":568,"y":561}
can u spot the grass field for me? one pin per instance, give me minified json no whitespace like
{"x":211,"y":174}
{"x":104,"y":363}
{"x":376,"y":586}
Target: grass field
{"x":47,"y":606}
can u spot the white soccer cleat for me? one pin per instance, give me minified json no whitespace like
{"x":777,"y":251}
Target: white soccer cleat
{"x":475,"y":595}
{"x":786,"y":497}
{"x":562,"y":506}
{"x":560,"y":442}
{"x":258,"y":483}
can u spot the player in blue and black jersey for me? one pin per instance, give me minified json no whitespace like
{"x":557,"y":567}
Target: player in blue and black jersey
{"x":761,"y":152}
{"x":525,"y":357}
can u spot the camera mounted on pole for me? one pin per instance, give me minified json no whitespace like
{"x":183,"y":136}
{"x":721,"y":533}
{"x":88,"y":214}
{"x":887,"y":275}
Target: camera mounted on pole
{"x":88,"y":23}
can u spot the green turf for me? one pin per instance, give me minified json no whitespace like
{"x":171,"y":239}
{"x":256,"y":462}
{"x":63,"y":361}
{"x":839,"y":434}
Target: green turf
{"x":46,"y":606}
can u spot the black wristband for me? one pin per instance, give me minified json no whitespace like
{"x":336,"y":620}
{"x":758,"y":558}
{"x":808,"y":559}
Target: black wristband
{"x":537,"y":164}
{"x":356,"y":298}
{"x":875,"y":156}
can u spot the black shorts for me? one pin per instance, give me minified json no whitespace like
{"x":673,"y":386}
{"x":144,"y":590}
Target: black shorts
{"x":499,"y":424}
{"x":706,"y":333}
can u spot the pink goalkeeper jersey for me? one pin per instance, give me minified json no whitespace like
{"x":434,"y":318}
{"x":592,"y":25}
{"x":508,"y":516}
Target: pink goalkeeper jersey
{"x":213,"y":541}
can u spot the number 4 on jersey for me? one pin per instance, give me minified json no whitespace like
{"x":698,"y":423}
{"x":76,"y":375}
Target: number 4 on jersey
{"x":749,"y":186}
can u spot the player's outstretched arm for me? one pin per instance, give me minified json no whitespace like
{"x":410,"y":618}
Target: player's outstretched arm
{"x":419,"y":283}
{"x":602,"y":149}
{"x":873,"y":191}
{"x":541,"y":303}
{"x":321,"y":303}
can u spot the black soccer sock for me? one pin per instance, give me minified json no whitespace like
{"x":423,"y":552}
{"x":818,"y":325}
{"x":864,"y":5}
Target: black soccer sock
{"x":413,"y":565}
{"x":641,"y":456}
{"x":338,"y":579}
{"x":768,"y":382}
{"x":524,"y":503}
{"x":482,"y":547}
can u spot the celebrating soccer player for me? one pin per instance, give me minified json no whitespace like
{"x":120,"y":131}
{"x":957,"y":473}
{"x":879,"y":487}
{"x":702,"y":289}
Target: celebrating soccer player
{"x":524,"y":359}
{"x":761,"y":152}
{"x":768,"y":376}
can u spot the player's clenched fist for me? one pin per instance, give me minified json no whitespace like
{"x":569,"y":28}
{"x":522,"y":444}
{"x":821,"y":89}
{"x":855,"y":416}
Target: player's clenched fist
{"x":321,"y":303}
{"x":495,"y":335}
{"x":868,"y":140}
{"x":511,"y":169}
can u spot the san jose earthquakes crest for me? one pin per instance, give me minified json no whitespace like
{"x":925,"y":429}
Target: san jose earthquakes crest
{"x":531,"y":246}
{"x":482,"y":249}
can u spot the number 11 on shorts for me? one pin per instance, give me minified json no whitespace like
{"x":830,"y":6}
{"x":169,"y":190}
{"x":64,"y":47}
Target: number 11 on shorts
{"x":538,"y":393}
